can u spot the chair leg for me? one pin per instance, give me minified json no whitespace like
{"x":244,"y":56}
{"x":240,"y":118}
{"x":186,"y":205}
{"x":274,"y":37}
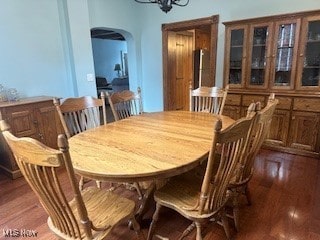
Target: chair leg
{"x":81,"y":183}
{"x":155,"y":218}
{"x":187,"y":231}
{"x":248,"y":195}
{"x":225,"y":223}
{"x":199,"y":234}
{"x":137,"y":187}
{"x":136,"y":228}
{"x":235,"y":209}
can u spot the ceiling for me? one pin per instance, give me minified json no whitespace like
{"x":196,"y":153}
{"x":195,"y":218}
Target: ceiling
{"x":106,"y":34}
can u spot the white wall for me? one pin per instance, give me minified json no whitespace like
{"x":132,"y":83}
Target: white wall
{"x":31,"y":51}
{"x":45,"y":47}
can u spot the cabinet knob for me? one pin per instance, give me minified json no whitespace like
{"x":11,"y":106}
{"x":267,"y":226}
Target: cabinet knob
{"x":293,"y":118}
{"x":35,"y":122}
{"x":301,"y":55}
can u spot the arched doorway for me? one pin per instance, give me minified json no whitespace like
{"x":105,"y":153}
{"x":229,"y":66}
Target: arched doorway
{"x":110,"y":59}
{"x":109,"y":49}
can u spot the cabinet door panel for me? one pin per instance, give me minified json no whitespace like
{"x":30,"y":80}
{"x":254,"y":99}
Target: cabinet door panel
{"x":49,"y":125}
{"x":278,"y":134}
{"x":304,"y":130}
{"x":22,"y":122}
{"x":309,"y":57}
{"x":259,"y":53}
{"x":284,"y":57}
{"x":235,"y":60}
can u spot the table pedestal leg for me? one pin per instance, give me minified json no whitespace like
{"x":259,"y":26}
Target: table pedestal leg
{"x":146,"y":202}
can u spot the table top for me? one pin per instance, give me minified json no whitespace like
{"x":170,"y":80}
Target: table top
{"x":144,"y":147}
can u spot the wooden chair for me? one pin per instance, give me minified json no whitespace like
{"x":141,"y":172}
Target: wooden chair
{"x":260,"y":130}
{"x":125,"y":104}
{"x":201,"y":199}
{"x":208,"y":99}
{"x":90,"y":214}
{"x":80,"y":114}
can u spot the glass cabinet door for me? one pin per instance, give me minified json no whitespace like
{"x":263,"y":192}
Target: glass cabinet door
{"x":309,"y":61}
{"x":284,"y":54}
{"x":235,"y":59}
{"x":259,"y":53}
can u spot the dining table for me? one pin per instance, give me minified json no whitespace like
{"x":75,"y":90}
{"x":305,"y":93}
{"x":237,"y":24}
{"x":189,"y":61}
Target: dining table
{"x":146,"y":147}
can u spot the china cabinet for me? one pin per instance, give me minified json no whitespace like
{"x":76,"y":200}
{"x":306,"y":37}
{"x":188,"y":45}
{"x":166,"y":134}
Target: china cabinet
{"x":34,"y":117}
{"x":279,"y":54}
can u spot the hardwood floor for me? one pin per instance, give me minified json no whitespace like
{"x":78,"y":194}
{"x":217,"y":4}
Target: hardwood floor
{"x":285,"y":193}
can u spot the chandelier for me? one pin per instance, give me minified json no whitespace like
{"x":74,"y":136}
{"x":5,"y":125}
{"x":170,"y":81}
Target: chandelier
{"x":165,"y":5}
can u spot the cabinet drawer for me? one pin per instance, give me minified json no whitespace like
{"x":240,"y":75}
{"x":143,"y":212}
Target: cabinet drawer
{"x":232,"y":111}
{"x":248,"y":99}
{"x":307,"y":104}
{"x":233,"y":99}
{"x":284,"y":103}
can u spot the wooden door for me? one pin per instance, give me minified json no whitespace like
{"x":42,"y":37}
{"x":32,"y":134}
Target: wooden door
{"x":184,"y":70}
{"x":180,"y":71}
{"x":178,"y":44}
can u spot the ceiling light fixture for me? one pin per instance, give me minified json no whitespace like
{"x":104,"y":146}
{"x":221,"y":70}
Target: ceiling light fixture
{"x":165,"y":5}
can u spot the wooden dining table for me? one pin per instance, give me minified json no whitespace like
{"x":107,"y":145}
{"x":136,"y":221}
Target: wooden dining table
{"x":150,"y":146}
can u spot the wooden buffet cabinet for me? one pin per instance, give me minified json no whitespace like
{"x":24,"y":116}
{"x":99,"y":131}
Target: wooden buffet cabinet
{"x":279,"y":54}
{"x":295,"y":125}
{"x":34,"y":117}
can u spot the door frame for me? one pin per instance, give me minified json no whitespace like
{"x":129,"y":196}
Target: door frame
{"x":182,"y":26}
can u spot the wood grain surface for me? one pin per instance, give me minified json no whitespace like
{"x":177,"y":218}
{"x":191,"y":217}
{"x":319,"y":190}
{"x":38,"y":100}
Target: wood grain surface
{"x":145,"y":147}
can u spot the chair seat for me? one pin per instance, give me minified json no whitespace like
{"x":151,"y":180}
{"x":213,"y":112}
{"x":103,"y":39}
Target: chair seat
{"x":181,"y":193}
{"x":111,"y":207}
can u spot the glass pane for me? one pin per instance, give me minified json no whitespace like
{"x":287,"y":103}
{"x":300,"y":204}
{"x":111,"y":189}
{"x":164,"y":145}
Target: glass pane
{"x":286,"y":41}
{"x":258,"y":58}
{"x":311,"y":68}
{"x":236,"y":51}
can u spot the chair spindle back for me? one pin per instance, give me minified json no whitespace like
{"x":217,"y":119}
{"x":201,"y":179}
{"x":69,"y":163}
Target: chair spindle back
{"x":125,"y":104}
{"x":80,"y":114}
{"x":208,"y":99}
{"x":259,"y":134}
{"x":230,"y":144}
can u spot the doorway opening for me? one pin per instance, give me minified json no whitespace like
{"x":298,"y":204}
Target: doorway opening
{"x":109,"y":49}
{"x":183,"y":44}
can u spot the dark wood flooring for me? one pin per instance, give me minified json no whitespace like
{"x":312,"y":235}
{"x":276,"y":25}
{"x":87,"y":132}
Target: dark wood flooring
{"x":285,"y":193}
